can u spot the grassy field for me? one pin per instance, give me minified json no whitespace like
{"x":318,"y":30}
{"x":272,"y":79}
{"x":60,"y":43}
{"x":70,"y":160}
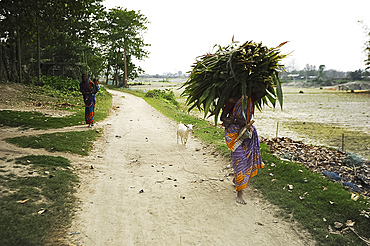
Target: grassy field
{"x":303,"y":196}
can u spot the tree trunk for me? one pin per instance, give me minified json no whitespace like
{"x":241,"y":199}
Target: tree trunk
{"x":116,"y":76}
{"x":19,"y":56}
{"x":119,"y":80}
{"x":124,"y":51}
{"x":107,"y":75}
{"x":3,"y":73}
{"x":38,"y":57}
{"x":14,"y":69}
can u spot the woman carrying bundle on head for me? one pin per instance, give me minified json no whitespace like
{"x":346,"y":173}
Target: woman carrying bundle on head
{"x":234,"y":80}
{"x":242,"y":139}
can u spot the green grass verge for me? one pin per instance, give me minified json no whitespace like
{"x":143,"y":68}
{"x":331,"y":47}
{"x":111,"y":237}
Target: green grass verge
{"x":39,"y":121}
{"x":312,"y":200}
{"x":321,"y":199}
{"x":73,"y":142}
{"x":48,"y":188}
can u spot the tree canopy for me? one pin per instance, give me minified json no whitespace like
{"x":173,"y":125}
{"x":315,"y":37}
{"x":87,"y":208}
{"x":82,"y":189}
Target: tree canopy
{"x":122,"y":40}
{"x":67,"y":38}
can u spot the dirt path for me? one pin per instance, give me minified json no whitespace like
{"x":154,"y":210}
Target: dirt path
{"x":147,"y":190}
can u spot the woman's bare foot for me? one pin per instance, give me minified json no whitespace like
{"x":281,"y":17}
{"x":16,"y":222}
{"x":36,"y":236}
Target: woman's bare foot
{"x":239,"y":197}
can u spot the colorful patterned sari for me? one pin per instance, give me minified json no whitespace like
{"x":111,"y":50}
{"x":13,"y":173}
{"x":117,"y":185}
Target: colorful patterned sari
{"x":246,"y":158}
{"x":89,"y":91}
{"x":90,"y":111}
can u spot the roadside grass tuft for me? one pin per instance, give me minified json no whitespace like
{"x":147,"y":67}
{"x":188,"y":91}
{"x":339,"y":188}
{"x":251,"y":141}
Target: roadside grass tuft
{"x":73,"y":142}
{"x":36,"y":205}
{"x":320,"y":200}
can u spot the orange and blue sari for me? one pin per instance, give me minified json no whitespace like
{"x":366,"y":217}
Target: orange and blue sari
{"x":88,"y":91}
{"x":246,"y":158}
{"x":90,"y":111}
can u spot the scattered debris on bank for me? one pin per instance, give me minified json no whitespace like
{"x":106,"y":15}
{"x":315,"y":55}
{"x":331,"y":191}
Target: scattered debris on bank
{"x":351,"y":170}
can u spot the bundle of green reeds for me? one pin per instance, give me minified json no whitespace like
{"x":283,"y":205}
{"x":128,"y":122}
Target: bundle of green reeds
{"x":251,"y":68}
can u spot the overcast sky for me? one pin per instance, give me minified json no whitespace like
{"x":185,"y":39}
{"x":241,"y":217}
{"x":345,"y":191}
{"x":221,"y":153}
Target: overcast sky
{"x":320,"y":32}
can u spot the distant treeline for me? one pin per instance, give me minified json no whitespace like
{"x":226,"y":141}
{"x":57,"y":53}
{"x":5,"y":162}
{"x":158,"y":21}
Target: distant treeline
{"x":313,"y":74}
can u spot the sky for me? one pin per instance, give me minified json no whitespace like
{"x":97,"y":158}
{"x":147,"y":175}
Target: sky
{"x":320,"y":32}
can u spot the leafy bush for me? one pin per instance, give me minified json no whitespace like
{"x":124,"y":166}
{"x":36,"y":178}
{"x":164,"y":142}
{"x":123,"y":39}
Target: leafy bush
{"x":166,"y":94}
{"x":55,"y":86}
{"x":137,"y":83}
{"x":60,"y":83}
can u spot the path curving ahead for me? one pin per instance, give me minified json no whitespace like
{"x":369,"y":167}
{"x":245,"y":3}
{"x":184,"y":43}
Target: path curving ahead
{"x":145,"y":189}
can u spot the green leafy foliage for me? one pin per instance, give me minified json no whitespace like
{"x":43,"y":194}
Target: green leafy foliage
{"x":68,"y":38}
{"x":61,"y":85}
{"x":51,"y":34}
{"x":166,"y":94}
{"x":250,"y":70}
{"x":122,"y":42}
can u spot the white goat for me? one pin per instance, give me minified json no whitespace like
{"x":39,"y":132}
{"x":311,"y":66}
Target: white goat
{"x":183,"y":132}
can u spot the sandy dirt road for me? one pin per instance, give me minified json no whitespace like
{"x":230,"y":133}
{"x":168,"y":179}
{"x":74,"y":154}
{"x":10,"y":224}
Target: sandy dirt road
{"x":145,"y":189}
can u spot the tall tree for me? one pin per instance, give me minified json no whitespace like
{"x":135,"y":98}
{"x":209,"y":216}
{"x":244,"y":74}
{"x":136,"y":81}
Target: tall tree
{"x":356,"y":75}
{"x":121,"y":35}
{"x":367,"y":44}
{"x":309,"y":70}
{"x":321,"y":74}
{"x":367,"y":50}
